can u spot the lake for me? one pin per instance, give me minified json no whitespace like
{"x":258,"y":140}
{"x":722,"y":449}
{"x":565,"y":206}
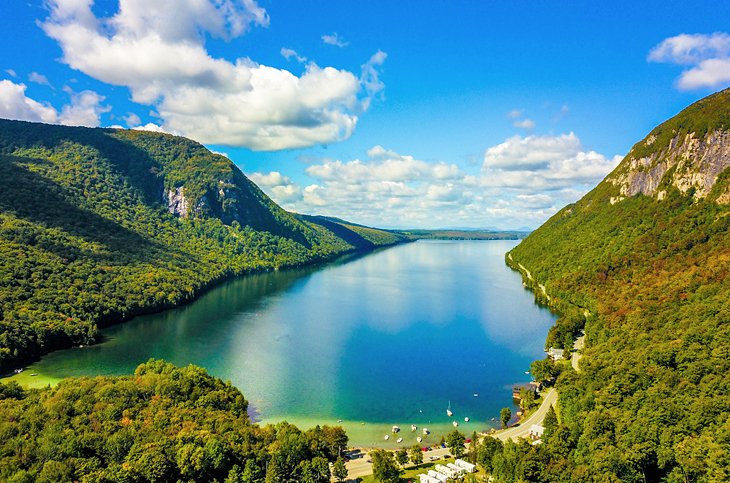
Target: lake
{"x":392,"y":337}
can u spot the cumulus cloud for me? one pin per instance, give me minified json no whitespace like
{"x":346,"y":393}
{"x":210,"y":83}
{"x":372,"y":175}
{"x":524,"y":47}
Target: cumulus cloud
{"x":545,"y":163}
{"x":522,"y":182}
{"x":84,"y":109}
{"x":157,"y":50}
{"x":707,"y":56}
{"x":334,"y":39}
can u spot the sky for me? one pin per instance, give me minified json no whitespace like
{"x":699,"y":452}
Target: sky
{"x":396,"y":114}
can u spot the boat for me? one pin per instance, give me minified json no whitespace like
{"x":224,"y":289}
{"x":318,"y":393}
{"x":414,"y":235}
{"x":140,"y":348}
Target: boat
{"x":395,"y":429}
{"x":425,"y":430}
{"x":419,"y":439}
{"x":413,"y":427}
{"x":455,"y":424}
{"x":449,"y":413}
{"x":476,"y":394}
{"x":386,"y":437}
{"x":399,"y":440}
{"x":466,"y":419}
{"x":339,"y":420}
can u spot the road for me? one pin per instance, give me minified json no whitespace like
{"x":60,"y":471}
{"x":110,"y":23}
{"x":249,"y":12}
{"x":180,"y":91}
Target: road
{"x":578,"y":346}
{"x":360,"y":467}
{"x":523,"y":429}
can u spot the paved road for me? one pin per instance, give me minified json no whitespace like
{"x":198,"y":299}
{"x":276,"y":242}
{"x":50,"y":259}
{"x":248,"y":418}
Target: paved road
{"x":523,"y":429}
{"x":578,"y":346}
{"x":361,"y":467}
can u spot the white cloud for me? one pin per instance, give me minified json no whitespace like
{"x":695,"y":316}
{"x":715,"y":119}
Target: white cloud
{"x":545,"y":163}
{"x":515,"y":114}
{"x":370,"y":77}
{"x":84,"y":109}
{"x":520,"y":152}
{"x":525,"y":181}
{"x":279,"y":187}
{"x":132,"y":119}
{"x":14,"y":104}
{"x":335,"y":39}
{"x":11,"y":72}
{"x":157,"y":50}
{"x":708,"y":57}
{"x":39,"y":79}
{"x":524,"y":124}
{"x":288,"y":54}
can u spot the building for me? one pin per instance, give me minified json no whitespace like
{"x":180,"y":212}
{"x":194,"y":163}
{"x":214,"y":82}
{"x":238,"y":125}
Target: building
{"x":555,"y":354}
{"x":536,"y":431}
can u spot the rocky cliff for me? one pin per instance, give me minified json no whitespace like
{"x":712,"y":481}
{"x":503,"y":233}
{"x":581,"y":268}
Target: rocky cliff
{"x":688,"y":152}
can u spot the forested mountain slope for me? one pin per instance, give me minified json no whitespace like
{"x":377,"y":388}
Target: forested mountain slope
{"x":97,"y":225}
{"x":643,"y":261}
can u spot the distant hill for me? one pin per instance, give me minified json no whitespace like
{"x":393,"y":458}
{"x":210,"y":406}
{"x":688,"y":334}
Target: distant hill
{"x":98,"y":225}
{"x":643,"y":263}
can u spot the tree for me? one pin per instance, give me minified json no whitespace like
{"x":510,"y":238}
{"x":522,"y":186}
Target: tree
{"x":401,"y":456}
{"x":455,"y":440}
{"x":473,"y":448}
{"x":416,"y":454}
{"x":486,"y":451}
{"x":544,"y":370}
{"x":385,"y":469}
{"x":550,"y":422}
{"x":339,"y":470}
{"x":505,"y":415}
{"x":527,"y":398}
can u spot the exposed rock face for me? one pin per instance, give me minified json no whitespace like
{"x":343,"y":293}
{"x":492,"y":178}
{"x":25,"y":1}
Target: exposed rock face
{"x":687,"y":163}
{"x":177,"y":204}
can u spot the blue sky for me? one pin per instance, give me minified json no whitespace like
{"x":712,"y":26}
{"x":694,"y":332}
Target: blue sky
{"x":391,"y":113}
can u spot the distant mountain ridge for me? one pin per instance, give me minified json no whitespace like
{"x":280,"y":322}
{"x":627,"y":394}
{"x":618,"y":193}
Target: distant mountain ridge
{"x":642,"y":262}
{"x":98,"y":225}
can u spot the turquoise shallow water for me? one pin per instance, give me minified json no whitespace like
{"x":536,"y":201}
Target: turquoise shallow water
{"x":392,"y":337}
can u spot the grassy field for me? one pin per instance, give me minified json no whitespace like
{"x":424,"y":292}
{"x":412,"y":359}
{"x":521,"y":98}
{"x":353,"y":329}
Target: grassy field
{"x":411,"y":473}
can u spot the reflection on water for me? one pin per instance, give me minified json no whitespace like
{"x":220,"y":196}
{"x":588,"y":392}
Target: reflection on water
{"x":391,"y":337}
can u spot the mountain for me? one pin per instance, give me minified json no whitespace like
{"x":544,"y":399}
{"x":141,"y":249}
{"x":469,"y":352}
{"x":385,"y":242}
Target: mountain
{"x":99,"y":225}
{"x":642,"y":263}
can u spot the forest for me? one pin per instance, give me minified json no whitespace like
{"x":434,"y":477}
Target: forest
{"x":648,"y":281}
{"x":87,"y":238}
{"x":161,"y":424}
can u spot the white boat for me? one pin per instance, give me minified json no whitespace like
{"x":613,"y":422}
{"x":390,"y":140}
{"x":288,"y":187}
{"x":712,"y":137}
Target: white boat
{"x":399,"y":440}
{"x":425,"y":430}
{"x":449,"y":413}
{"x":419,"y":439}
{"x":466,"y":419}
{"x":386,"y":437}
{"x":455,"y":424}
{"x":413,"y":427}
{"x":476,"y":394}
{"x":395,"y":429}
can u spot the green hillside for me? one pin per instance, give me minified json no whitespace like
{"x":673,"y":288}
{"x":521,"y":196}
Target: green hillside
{"x":98,"y":225}
{"x":647,"y":276}
{"x":161,"y":424}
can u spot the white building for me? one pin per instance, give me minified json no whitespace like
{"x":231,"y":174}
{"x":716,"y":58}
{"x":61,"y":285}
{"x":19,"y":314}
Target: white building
{"x":465,"y":465}
{"x":536,"y":431}
{"x":555,"y":354}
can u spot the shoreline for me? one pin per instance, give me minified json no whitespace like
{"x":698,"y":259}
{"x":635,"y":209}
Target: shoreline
{"x":202,"y":290}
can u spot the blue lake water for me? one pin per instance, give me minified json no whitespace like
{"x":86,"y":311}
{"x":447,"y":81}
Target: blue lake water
{"x":392,"y":337}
